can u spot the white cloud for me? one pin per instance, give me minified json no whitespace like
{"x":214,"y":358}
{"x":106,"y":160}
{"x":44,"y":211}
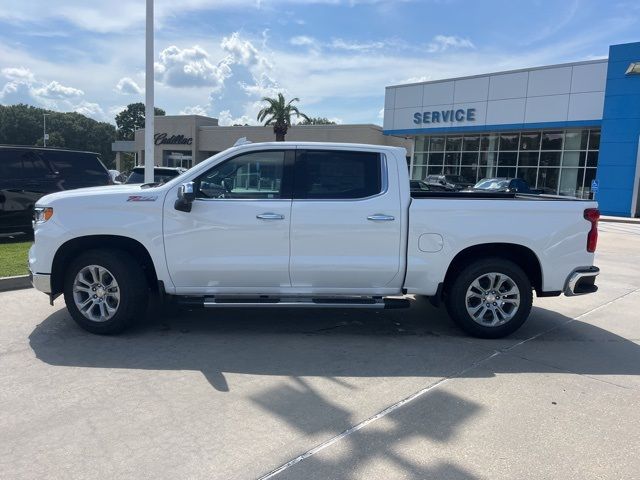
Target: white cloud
{"x":225,"y":119}
{"x":128,"y":86}
{"x":381,"y":114}
{"x":19,"y":74}
{"x":191,"y":67}
{"x":195,"y":110}
{"x":303,"y":40}
{"x":90,"y":109}
{"x":243,"y":51}
{"x":440,"y":43}
{"x":341,"y":44}
{"x":56,"y":90}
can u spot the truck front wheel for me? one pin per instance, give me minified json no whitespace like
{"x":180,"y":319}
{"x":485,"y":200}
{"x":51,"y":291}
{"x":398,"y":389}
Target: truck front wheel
{"x":490,"y":298}
{"x":105,"y":290}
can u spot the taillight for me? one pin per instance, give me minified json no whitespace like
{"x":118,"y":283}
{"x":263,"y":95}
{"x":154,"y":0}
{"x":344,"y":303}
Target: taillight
{"x":592,"y":215}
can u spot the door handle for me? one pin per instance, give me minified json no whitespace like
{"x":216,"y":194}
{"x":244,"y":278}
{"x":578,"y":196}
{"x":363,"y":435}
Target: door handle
{"x":270,"y":216}
{"x":379,"y":217}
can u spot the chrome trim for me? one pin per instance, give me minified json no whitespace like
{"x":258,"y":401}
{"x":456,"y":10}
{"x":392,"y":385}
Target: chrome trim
{"x":381,"y":217}
{"x":41,"y":281}
{"x":576,"y":275}
{"x":212,"y":303}
{"x":270,"y":216}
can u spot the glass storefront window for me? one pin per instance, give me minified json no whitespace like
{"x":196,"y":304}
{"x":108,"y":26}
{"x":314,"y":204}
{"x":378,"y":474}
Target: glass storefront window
{"x":530,"y":141}
{"x":436,"y":158}
{"x":489,"y":142}
{"x":509,"y":141}
{"x":422,"y":144}
{"x":507,"y":159}
{"x":552,"y":140}
{"x":437,"y":144}
{"x":420,"y":159}
{"x":571,"y":181}
{"x":454,"y":143}
{"x":548,"y":180}
{"x":576,"y":140}
{"x":573,"y":159}
{"x":470,"y":143}
{"x":528,"y":174}
{"x":451,"y":158}
{"x":469,"y":158}
{"x":528,"y":159}
{"x":555,"y":161}
{"x":550,"y":159}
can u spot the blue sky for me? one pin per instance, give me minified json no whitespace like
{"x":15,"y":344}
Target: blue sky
{"x":220,"y":57}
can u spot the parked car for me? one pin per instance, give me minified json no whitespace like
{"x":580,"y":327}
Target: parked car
{"x":116,"y":176}
{"x":160,"y":174}
{"x":422,"y":186}
{"x":453,"y":182}
{"x":28,"y":173}
{"x":504,"y":185}
{"x":301,"y":224}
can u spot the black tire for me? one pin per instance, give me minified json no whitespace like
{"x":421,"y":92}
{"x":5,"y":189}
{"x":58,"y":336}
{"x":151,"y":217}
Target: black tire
{"x":456,"y":300}
{"x":132,"y":287}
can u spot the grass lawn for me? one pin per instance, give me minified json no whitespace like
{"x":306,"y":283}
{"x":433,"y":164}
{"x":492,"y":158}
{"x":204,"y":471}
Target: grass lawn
{"x":13,"y":258}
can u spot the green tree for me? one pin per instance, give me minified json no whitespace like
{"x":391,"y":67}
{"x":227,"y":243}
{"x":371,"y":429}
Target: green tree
{"x":317,"y":121}
{"x":278,"y":113}
{"x":131,"y":119}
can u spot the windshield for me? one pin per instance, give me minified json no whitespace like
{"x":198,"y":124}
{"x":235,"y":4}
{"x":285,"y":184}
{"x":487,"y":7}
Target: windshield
{"x":159,"y":176}
{"x":491,"y":184}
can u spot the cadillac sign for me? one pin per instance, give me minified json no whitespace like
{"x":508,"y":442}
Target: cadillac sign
{"x":165,"y":139}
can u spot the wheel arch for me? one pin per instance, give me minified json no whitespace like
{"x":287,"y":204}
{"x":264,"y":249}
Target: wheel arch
{"x":522,"y":256}
{"x":73,"y":247}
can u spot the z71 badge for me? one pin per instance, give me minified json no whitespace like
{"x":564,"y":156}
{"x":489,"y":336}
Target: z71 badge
{"x":142,"y":198}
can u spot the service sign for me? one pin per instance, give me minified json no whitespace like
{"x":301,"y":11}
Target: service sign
{"x":460,"y":115}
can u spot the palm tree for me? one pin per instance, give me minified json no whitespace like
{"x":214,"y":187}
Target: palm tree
{"x":278,"y":113}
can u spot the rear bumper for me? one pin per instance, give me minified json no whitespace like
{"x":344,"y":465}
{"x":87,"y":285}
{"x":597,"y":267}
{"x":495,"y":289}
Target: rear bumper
{"x":581,"y":281}
{"x":40,"y":281}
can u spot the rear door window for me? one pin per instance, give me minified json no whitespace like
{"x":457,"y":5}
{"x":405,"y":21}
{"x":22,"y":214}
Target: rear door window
{"x":77,"y":165}
{"x":337,"y":175}
{"x":10,"y":164}
{"x":33,"y":166}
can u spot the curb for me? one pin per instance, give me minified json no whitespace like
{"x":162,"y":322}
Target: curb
{"x":14,"y":283}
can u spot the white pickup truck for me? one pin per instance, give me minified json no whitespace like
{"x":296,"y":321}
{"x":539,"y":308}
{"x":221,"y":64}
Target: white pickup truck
{"x":309,"y":225}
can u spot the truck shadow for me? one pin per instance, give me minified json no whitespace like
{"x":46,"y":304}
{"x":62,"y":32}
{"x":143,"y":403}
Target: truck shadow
{"x":420,"y":341}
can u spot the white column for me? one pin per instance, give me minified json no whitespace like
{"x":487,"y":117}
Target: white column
{"x":149,"y":110}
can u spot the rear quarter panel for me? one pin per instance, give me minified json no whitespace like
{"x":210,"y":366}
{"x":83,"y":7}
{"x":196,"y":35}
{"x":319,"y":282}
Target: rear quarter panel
{"x":554,"y":230}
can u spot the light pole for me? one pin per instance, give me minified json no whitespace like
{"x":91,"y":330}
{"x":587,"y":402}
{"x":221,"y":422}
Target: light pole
{"x":149,"y":111}
{"x":44,"y":129}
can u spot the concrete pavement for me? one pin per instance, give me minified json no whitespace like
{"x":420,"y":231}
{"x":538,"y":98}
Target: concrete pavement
{"x":329,"y":394}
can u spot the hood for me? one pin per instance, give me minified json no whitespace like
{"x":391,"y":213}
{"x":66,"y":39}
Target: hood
{"x":108,"y":190}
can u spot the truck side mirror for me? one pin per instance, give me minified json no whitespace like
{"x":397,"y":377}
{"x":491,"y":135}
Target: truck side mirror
{"x":186,"y":196}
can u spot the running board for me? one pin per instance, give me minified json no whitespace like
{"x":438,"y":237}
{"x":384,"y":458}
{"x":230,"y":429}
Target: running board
{"x":293,"y":302}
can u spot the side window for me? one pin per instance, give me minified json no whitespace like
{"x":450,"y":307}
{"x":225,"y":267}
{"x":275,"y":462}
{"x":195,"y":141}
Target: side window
{"x":256,"y":175}
{"x":10,"y":164}
{"x":334,"y":174}
{"x":76,"y":165}
{"x":34,"y":166}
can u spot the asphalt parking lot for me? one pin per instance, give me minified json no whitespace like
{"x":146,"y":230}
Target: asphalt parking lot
{"x":338,"y":394}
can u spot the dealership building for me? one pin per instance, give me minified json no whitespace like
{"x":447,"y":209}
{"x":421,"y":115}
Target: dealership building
{"x":570,"y":129}
{"x":185,"y":140}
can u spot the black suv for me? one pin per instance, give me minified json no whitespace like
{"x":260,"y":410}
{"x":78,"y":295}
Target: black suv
{"x":28,"y":173}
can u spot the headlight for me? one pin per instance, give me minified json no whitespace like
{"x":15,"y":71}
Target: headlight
{"x":42,"y":214}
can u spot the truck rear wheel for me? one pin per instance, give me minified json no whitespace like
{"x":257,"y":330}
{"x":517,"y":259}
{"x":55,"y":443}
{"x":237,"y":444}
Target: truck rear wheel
{"x":105,"y":290}
{"x":490,"y":298}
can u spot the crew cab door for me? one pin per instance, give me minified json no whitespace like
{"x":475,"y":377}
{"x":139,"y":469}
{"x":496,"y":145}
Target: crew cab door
{"x":345,"y":222}
{"x":236,"y":236}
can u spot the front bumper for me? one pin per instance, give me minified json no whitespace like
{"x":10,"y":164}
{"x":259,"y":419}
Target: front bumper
{"x":40,"y":281}
{"x":581,"y":281}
